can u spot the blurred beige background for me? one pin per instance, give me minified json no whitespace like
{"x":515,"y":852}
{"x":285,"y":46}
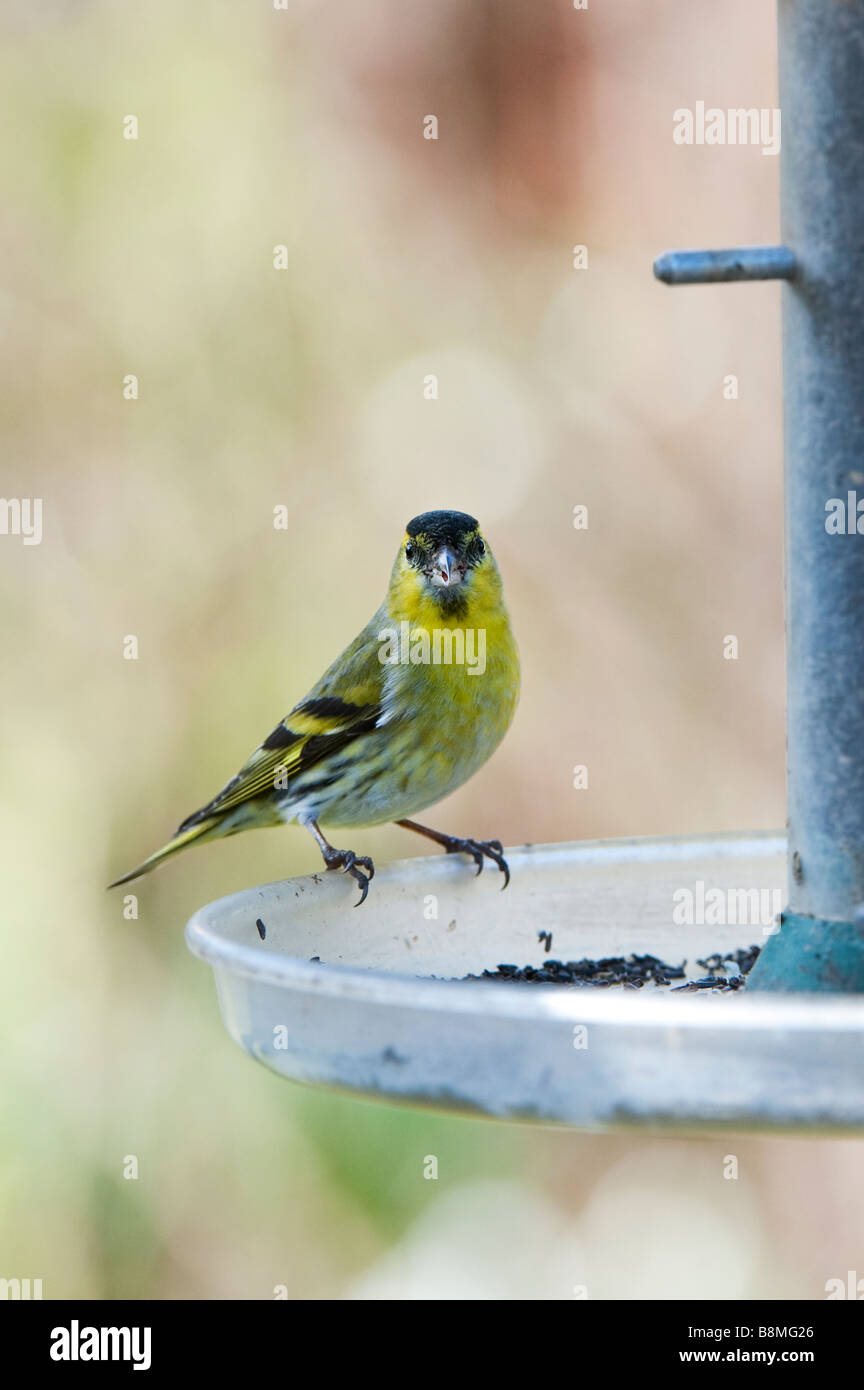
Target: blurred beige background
{"x":304,"y":387}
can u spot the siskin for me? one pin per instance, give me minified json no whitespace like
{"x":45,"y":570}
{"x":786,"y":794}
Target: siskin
{"x":408,"y":712}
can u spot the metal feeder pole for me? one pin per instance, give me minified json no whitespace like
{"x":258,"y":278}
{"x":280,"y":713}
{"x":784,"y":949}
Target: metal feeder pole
{"x":820,"y":945}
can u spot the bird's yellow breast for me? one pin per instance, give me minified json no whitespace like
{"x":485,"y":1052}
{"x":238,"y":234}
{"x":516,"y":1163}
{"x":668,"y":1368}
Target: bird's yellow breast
{"x":453,"y":687}
{"x":461,"y":661}
{"x":450,"y":685}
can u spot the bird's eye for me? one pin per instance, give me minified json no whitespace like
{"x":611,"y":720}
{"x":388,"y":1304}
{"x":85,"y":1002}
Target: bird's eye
{"x":410,"y":552}
{"x":481,"y":548}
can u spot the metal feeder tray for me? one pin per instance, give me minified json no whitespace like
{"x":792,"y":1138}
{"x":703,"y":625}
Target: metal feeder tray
{"x":373,"y":1001}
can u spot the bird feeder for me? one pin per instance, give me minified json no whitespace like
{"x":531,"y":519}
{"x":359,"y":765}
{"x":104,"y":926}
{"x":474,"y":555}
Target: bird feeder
{"x":398,"y":1007}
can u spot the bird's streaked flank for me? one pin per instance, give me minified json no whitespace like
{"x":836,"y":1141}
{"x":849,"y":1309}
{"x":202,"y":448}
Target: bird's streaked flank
{"x":402,"y":718}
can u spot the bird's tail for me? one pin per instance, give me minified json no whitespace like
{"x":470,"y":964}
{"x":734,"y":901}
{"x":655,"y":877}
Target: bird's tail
{"x":200,"y":831}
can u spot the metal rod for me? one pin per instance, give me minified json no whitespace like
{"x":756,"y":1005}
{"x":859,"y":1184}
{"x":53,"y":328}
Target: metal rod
{"x":713,"y":267}
{"x":821,"y":942}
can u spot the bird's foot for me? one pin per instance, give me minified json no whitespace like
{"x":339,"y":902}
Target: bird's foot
{"x":353,"y":864}
{"x":480,"y":850}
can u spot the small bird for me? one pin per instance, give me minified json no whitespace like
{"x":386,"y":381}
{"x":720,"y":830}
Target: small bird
{"x":408,"y":712}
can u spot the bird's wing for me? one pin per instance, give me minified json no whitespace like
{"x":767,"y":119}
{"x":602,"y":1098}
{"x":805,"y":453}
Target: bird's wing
{"x":346,"y":703}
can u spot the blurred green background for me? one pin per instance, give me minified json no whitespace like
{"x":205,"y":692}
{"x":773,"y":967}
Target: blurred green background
{"x":304,"y":387}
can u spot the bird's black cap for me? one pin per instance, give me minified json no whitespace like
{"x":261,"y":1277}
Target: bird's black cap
{"x":439,"y":528}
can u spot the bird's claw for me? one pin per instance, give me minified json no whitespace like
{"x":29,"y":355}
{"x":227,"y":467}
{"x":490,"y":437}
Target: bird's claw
{"x":480,"y":850}
{"x":353,"y":864}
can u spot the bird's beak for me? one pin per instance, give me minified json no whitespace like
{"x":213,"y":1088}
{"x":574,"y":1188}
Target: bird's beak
{"x":445,"y":569}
